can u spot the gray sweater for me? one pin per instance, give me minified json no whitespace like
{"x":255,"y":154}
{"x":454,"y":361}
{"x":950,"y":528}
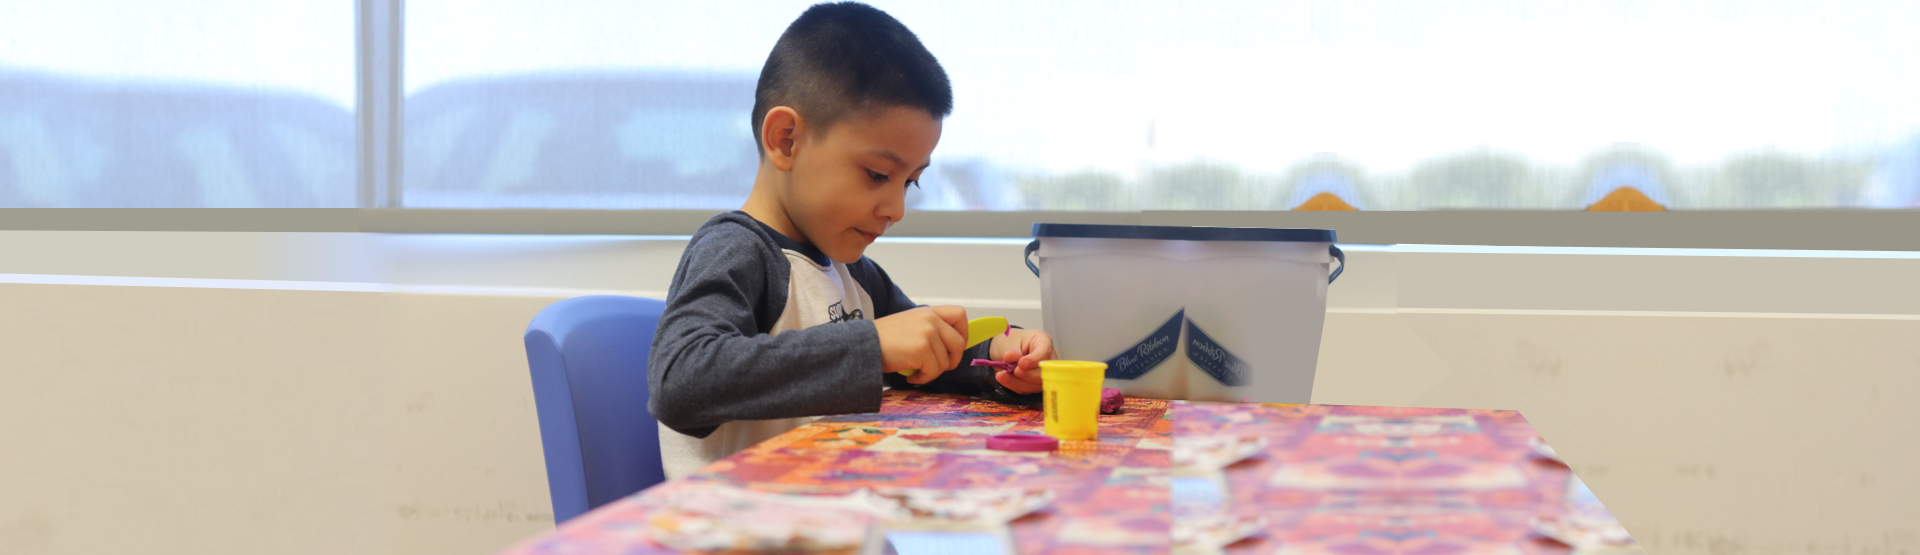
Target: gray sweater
{"x":716,"y":360}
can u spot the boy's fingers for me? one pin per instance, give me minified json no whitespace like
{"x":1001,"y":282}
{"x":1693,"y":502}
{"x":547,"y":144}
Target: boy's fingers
{"x":1028,"y":373}
{"x":1028,"y":362}
{"x":956,"y":344}
{"x":931,"y":369}
{"x":954,"y":316}
{"x":1022,"y":367}
{"x":1013,"y":382}
{"x":924,"y":376}
{"x":1028,"y":368}
{"x":1039,"y":346}
{"x":937,"y":350}
{"x":1032,"y":380}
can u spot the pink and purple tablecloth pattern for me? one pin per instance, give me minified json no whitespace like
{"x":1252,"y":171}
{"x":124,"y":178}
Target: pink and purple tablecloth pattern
{"x":1348,"y":480}
{"x":1110,"y":495}
{"x":1330,"y":480}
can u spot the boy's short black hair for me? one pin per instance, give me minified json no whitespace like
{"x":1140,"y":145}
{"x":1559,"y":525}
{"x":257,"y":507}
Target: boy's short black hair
{"x":844,"y":59}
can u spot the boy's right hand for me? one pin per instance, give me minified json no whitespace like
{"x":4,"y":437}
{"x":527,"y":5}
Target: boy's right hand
{"x":930,"y":339}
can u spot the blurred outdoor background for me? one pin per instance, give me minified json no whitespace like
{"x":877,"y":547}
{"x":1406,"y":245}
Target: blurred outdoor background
{"x":1088,"y":105}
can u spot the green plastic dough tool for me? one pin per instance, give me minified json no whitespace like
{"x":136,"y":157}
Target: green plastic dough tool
{"x":979,"y":330}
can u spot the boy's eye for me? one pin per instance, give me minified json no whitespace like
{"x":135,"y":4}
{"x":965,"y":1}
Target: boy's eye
{"x":877,"y":177}
{"x":913,"y":183}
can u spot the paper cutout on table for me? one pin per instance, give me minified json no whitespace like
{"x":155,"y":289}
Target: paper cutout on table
{"x":709,"y":517}
{"x":943,"y":542}
{"x":1410,"y":426}
{"x":1109,"y":532}
{"x":1214,"y":452}
{"x":1212,"y":534}
{"x":996,"y":506}
{"x":1202,"y":519}
{"x":720,"y":517}
{"x":1589,"y":528}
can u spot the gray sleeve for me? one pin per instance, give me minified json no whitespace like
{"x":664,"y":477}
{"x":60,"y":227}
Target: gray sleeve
{"x":712,"y":363}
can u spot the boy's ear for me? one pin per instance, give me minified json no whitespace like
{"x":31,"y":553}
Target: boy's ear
{"x":778,"y":133}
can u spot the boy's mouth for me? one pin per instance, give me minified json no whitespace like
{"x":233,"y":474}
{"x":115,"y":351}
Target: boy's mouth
{"x":869,"y":236}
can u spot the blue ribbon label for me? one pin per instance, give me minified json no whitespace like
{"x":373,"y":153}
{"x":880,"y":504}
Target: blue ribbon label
{"x":1146,"y":355}
{"x":1214,"y":359}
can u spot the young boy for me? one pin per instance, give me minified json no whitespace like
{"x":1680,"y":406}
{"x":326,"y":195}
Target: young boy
{"x":775,"y":317}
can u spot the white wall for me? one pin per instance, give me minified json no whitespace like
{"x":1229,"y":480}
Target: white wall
{"x":212,"y":420}
{"x":1719,"y":404}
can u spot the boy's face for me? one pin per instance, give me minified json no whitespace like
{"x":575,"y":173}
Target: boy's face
{"x":849,"y":185}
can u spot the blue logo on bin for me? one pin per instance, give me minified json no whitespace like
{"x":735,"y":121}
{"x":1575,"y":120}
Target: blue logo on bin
{"x":1214,"y":359}
{"x":1146,"y":355}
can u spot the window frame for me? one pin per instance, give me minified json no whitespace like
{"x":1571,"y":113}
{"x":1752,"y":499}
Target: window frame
{"x":379,"y":49}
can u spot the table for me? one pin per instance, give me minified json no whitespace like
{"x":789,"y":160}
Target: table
{"x":1351,"y":480}
{"x":1328,"y":479}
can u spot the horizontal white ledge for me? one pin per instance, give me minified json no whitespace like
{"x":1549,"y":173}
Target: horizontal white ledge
{"x":195,"y":283}
{"x":354,"y":287}
{"x":1013,"y":241}
{"x":1616,"y":251}
{"x":964,"y":302}
{"x":519,"y":291}
{"x":1386,"y":311}
{"x":1655,"y":314}
{"x":336,"y":286}
{"x":1002,"y":304}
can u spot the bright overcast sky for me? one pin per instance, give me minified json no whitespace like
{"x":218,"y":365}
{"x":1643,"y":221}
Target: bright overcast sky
{"x":1118,"y":84}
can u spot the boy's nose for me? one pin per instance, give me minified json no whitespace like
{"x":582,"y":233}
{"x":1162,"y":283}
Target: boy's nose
{"x":893,"y":208}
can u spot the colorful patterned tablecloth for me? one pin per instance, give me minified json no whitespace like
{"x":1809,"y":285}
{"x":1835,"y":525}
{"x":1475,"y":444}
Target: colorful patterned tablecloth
{"x":1314,"y":479}
{"x":1346,"y":480}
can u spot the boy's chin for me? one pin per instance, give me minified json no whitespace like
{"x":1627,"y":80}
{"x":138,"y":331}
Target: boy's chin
{"x":845,"y":254}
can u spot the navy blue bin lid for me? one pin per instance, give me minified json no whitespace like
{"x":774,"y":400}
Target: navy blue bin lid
{"x":1183,"y":233}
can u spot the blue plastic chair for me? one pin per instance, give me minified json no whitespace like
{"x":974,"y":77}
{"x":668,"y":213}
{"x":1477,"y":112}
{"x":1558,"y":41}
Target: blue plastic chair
{"x":589,"y":362}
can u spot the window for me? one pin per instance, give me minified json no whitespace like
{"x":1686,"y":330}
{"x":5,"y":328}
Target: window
{"x":1388,"y":104}
{"x":217,"y":103}
{"x":1115,"y":105}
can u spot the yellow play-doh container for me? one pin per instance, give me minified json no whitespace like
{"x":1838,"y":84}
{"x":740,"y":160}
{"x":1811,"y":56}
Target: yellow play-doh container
{"x":1072,"y":391}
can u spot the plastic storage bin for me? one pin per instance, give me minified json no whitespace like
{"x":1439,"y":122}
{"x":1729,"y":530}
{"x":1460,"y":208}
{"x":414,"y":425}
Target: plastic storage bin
{"x":1198,"y":313}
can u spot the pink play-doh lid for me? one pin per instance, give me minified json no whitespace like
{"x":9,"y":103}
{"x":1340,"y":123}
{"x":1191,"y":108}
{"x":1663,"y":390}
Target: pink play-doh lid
{"x":1022,"y":442}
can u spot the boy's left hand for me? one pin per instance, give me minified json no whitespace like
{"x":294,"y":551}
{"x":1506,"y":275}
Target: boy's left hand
{"x":1024,"y":349}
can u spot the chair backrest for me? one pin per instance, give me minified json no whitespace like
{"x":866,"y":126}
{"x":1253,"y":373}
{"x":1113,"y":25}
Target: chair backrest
{"x":589,"y":361}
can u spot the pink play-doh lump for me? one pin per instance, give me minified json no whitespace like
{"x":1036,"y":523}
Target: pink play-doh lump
{"x":1110,"y":401}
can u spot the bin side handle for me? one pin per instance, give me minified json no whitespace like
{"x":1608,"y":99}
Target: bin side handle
{"x":1028,"y":257}
{"x":1336,"y":271}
